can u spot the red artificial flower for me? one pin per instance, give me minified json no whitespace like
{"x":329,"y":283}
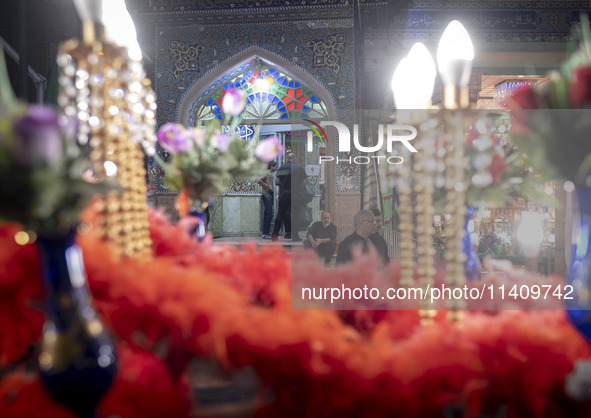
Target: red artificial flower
{"x":20,"y":329}
{"x":144,"y":388}
{"x":195,"y":299}
{"x":520,"y":101}
{"x":580,"y":87}
{"x":20,"y":267}
{"x":21,"y":395}
{"x":20,"y":283}
{"x":471,"y":135}
{"x":497,"y":167}
{"x":523,"y":98}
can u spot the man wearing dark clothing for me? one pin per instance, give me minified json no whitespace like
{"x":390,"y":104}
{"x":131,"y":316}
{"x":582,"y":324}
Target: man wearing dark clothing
{"x":364,"y":223}
{"x":377,"y":240}
{"x":322,"y":236}
{"x":266,"y":183}
{"x":290,"y":177}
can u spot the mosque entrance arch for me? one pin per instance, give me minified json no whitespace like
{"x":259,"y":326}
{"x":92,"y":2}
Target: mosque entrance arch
{"x":281,"y":99}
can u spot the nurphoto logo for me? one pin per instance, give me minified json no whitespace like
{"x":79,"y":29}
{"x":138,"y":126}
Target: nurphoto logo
{"x":389,"y":133}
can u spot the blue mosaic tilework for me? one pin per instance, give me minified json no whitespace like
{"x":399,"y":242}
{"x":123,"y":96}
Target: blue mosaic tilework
{"x":211,"y":5}
{"x":184,"y":54}
{"x":221,"y":43}
{"x":494,"y":21}
{"x":210,"y":46}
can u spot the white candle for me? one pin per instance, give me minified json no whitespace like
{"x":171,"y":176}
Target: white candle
{"x":414,"y":78}
{"x":455,"y":55}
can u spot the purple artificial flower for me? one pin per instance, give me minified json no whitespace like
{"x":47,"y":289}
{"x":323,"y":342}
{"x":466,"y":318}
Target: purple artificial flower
{"x":173,"y":139}
{"x":234,"y":102}
{"x":196,"y":136}
{"x":268,"y":148}
{"x":221,"y":141}
{"x":40,"y":136}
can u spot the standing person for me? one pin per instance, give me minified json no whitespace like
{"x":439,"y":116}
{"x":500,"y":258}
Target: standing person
{"x":322,"y":236}
{"x":290,"y":176}
{"x":364,"y":223}
{"x":376,"y":238}
{"x":266,"y":183}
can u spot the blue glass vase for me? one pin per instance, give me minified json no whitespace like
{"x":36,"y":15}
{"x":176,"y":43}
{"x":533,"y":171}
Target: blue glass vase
{"x":77,"y":363}
{"x":199,"y":230}
{"x":579,"y":277}
{"x":472,"y":266}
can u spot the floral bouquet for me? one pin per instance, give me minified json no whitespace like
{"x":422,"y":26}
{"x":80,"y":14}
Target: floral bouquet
{"x":552,"y":121}
{"x":206,"y":159}
{"x":495,"y":171}
{"x":498,"y":171}
{"x":45,"y":181}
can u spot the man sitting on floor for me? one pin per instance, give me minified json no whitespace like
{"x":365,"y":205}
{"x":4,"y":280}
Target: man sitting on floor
{"x":364,"y":223}
{"x":322,"y":236}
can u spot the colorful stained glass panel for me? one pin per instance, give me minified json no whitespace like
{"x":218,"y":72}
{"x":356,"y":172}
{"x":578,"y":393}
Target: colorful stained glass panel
{"x":271,"y":94}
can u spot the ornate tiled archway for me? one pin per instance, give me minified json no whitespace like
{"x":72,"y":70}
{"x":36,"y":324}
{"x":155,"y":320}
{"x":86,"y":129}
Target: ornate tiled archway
{"x":278,"y":93}
{"x":293,"y":94}
{"x":191,"y":60}
{"x":202,"y":89}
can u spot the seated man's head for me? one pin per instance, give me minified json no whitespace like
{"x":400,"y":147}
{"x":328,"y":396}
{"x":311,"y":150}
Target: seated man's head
{"x":326,"y":218}
{"x":378,"y":215}
{"x":364,"y":223}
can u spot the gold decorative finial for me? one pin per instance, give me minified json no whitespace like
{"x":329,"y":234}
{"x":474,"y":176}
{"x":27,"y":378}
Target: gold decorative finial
{"x":454,"y":56}
{"x":412,"y":85}
{"x":90,"y":12}
{"x":108,"y":92}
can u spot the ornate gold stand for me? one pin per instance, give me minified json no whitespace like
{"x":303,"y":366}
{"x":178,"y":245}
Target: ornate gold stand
{"x":115,"y":105}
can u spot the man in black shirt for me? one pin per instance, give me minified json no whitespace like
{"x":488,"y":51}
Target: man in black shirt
{"x":322,"y":236}
{"x":364,"y":223}
{"x":288,"y":175}
{"x":377,"y":240}
{"x":266,"y":183}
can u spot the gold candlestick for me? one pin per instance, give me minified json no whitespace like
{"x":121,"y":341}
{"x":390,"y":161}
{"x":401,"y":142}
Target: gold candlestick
{"x":424,"y":170}
{"x":456,"y":207}
{"x":454,"y":55}
{"x":416,"y":179}
{"x":112,"y":99}
{"x":412,"y":85}
{"x":404,"y":188}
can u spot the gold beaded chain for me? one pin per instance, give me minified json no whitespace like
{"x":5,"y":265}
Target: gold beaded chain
{"x":404,"y":188}
{"x":112,"y":99}
{"x":424,"y":171}
{"x":455,"y":206}
{"x":416,"y":178}
{"x":437,"y":158}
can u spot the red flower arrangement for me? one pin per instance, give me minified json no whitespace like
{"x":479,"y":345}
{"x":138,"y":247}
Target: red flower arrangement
{"x":495,"y":171}
{"x":580,"y":87}
{"x":550,"y":122}
{"x":233,"y":305}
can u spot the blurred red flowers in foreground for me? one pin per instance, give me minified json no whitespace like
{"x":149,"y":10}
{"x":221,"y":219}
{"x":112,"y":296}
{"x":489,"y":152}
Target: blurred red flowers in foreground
{"x":233,"y":306}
